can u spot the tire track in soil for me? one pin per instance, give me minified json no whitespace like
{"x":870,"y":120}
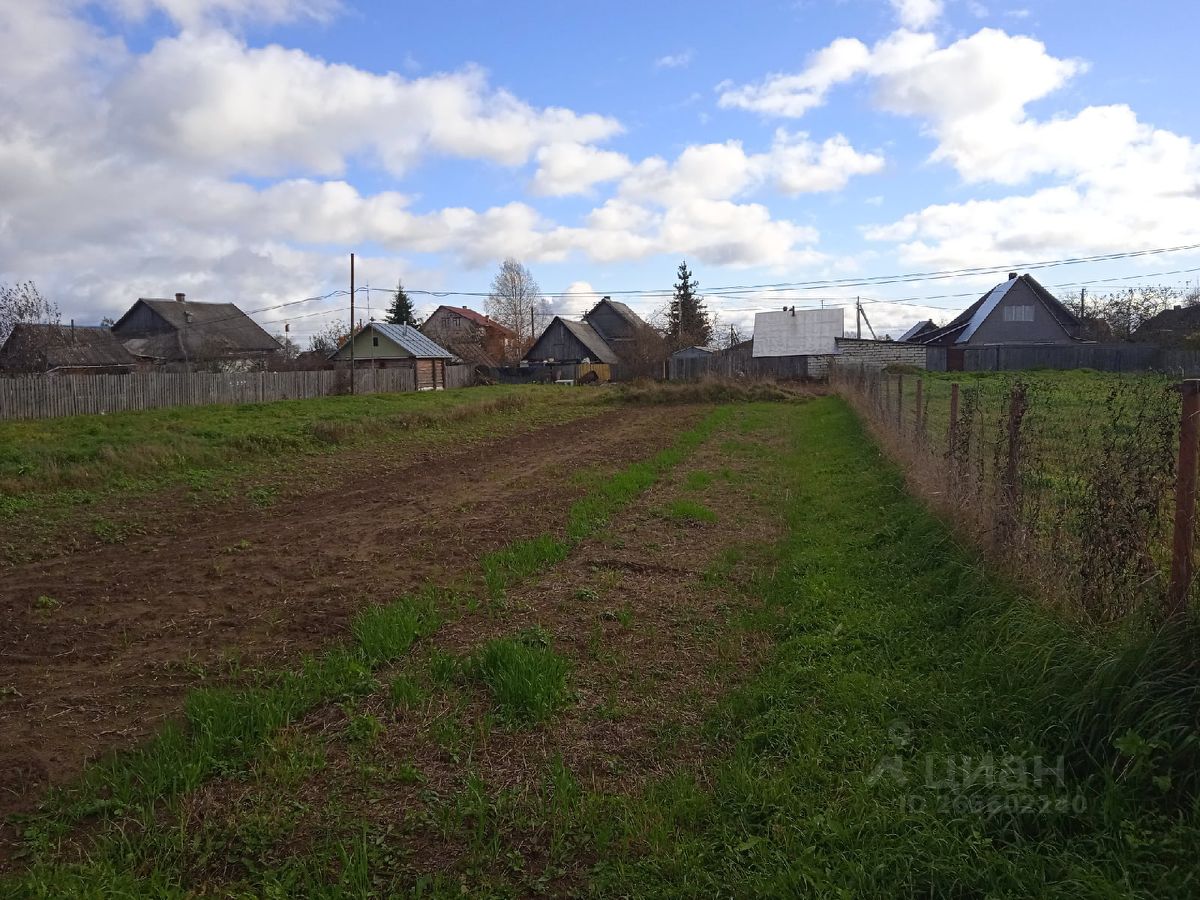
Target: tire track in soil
{"x":102,"y":670}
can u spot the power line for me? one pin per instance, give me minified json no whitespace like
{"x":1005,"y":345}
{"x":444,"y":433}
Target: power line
{"x":837,"y":283}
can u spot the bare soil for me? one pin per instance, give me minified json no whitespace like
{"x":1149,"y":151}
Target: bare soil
{"x":134,"y":626}
{"x":642,"y":612}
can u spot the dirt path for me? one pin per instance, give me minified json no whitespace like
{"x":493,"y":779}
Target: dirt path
{"x":134,"y":624}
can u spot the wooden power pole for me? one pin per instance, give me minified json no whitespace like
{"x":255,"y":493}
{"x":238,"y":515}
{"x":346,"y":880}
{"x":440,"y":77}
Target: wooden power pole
{"x":351,"y":323}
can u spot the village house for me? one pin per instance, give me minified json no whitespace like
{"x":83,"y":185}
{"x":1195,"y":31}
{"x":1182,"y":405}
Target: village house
{"x":382,"y":345}
{"x":609,"y":333}
{"x":1016,"y":311}
{"x":471,"y":336}
{"x":65,"y":349}
{"x":183,"y":333}
{"x":1175,"y":327}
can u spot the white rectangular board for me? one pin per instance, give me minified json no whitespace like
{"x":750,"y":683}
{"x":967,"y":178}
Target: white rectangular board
{"x":807,"y":332}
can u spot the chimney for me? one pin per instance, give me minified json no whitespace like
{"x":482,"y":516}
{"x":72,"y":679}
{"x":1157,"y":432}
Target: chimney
{"x":179,"y":298}
{"x":1012,"y":276}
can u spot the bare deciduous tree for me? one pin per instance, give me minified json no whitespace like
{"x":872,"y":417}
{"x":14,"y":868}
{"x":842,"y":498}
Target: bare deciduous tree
{"x":23,"y":303}
{"x":516,"y":302}
{"x":328,"y":339}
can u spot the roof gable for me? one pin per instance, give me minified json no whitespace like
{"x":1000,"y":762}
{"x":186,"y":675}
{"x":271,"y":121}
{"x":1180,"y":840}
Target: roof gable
{"x":199,"y":329}
{"x":406,"y":337}
{"x":477,"y":317}
{"x":65,"y":346}
{"x":962,"y":327}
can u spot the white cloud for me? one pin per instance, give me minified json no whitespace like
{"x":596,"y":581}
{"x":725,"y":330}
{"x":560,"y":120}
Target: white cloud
{"x":572,"y":168}
{"x":793,"y":165}
{"x":674,"y":60}
{"x":799,"y":166}
{"x":1120,"y":182}
{"x":794,"y":95}
{"x":209,"y":99}
{"x":917,"y":13}
{"x":193,"y":13}
{"x":577,"y":299}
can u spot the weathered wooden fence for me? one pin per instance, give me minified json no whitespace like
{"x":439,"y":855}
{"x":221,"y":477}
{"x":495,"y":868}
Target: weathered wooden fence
{"x":1119,"y":357}
{"x":43,"y":396}
{"x":738,"y":365}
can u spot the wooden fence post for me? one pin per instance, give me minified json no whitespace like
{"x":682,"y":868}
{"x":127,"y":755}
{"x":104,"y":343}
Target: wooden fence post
{"x":1185,"y":499}
{"x":953,"y":430}
{"x":1011,"y":486}
{"x":900,"y":403}
{"x":920,"y":425}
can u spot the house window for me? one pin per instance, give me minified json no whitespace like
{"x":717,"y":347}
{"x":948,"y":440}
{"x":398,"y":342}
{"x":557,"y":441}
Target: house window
{"x":1018,"y":314}
{"x":375,"y":341}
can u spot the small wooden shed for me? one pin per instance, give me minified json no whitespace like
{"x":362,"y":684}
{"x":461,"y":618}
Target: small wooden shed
{"x":381,"y":345}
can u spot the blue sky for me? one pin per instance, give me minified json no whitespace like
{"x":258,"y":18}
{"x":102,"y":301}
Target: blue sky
{"x":239,"y":149}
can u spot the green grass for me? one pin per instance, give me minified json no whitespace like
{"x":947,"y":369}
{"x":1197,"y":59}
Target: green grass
{"x":526,"y":678}
{"x":886,"y":745}
{"x":896,"y":651}
{"x":592,"y":512}
{"x":230,"y":730}
{"x":54,"y":472}
{"x":690,"y":511}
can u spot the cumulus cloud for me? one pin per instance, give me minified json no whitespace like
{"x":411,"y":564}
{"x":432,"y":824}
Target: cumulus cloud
{"x":794,"y":95}
{"x":137,"y":185}
{"x":793,"y":165}
{"x":209,"y":99}
{"x":917,"y":13}
{"x":577,"y":299}
{"x":1122,"y":183}
{"x":569,"y":167}
{"x":193,"y":13}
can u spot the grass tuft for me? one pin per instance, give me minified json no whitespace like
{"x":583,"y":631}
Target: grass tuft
{"x":526,"y":678}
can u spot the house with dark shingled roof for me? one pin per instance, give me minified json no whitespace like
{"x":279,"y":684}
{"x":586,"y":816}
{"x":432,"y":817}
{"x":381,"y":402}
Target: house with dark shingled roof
{"x":65,"y":349}
{"x":185,"y":332}
{"x":608,"y":332}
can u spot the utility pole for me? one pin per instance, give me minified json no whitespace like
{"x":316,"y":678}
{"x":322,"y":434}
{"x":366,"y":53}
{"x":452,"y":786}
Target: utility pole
{"x":1082,"y":297}
{"x":858,"y":318}
{"x":351,"y":323}
{"x":532,"y":327}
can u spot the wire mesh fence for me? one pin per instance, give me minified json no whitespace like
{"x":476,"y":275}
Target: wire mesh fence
{"x":1068,"y":478}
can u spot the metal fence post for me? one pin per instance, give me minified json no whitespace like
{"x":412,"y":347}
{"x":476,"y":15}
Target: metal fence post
{"x":1185,"y":499}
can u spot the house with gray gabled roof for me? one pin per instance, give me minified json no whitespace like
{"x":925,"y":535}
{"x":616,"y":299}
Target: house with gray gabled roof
{"x":565,"y":341}
{"x":382,"y":345}
{"x":183,"y":331}
{"x":64,"y":349}
{"x":1016,"y":311}
{"x":609,"y":331}
{"x":921,"y":328}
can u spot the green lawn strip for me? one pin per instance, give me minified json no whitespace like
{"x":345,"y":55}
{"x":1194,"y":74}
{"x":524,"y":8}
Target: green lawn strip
{"x":593,"y":512}
{"x":904,"y":739}
{"x":224,"y":728}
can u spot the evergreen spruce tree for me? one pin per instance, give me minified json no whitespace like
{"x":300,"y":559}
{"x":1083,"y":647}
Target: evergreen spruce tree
{"x":401,"y":310}
{"x":688,"y":322}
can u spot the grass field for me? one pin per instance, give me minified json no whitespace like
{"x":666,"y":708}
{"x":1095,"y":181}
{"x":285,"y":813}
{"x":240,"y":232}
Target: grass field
{"x":1072,"y":488}
{"x":747,"y":663}
{"x":64,"y":480}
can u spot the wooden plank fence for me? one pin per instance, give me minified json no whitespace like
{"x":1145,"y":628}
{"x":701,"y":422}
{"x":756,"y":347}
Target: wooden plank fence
{"x":45,"y":396}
